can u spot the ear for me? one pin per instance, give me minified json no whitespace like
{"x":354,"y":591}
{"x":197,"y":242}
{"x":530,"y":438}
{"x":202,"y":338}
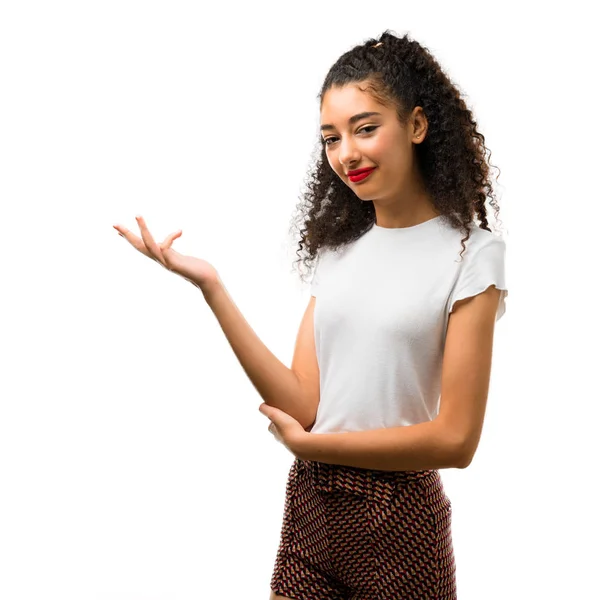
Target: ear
{"x":419,"y":125}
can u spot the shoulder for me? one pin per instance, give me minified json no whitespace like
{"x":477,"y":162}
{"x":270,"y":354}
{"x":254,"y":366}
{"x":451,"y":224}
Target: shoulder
{"x":479,"y":239}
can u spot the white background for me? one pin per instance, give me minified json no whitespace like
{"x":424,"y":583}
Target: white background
{"x":134,"y":463}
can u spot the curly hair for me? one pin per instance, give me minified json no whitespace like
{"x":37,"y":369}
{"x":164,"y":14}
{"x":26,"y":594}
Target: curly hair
{"x":452,"y":159}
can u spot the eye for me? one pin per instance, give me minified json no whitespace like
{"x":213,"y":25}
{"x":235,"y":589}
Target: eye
{"x":327,"y":141}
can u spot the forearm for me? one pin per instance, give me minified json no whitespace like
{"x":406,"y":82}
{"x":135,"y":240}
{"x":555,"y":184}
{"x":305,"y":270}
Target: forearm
{"x":277,"y":384}
{"x":418,"y":447}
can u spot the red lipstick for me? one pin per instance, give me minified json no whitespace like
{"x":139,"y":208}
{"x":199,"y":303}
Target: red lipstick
{"x":360,"y":174}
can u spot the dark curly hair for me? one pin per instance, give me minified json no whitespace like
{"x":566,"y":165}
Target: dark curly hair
{"x":452,"y":159}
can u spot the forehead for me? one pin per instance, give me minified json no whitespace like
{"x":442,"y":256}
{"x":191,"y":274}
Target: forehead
{"x":340,"y":103}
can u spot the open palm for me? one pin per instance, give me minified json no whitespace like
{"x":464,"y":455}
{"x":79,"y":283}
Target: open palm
{"x":195,"y":270}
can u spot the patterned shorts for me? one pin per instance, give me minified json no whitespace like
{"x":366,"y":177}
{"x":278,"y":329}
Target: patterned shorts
{"x":358,"y":534}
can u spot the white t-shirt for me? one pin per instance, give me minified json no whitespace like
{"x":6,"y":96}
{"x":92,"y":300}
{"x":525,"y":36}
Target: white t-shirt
{"x":381,"y":317}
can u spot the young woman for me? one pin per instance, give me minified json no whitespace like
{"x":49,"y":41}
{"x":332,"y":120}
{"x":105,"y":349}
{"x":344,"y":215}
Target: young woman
{"x":392,"y":362}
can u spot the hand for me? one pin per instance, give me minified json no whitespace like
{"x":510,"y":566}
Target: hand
{"x":285,"y":429}
{"x":195,"y":270}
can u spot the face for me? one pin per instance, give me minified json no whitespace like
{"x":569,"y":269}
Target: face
{"x":377,"y":140}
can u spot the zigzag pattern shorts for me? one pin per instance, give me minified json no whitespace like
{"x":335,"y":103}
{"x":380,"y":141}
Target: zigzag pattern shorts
{"x":358,"y":534}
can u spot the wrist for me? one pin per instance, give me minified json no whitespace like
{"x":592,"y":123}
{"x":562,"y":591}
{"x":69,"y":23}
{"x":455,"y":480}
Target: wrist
{"x":302,"y":446}
{"x":209,"y":288}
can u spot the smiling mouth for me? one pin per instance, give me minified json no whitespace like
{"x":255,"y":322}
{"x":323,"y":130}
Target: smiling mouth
{"x":360,"y":176}
{"x":354,"y":172}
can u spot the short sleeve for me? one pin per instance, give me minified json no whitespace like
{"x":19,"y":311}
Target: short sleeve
{"x":484,"y":268}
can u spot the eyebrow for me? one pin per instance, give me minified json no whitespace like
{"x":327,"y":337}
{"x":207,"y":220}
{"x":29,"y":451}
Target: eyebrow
{"x":353,"y":119}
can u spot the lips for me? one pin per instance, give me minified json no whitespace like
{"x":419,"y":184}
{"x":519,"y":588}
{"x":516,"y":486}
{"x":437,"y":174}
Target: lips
{"x":359,"y":171}
{"x":362,"y":174}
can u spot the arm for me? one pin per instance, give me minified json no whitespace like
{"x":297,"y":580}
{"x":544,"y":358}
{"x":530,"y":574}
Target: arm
{"x":278,"y":385}
{"x":424,"y":446}
{"x":449,"y":440}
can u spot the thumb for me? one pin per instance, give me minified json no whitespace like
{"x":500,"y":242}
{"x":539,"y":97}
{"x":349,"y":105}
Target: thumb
{"x":265,"y":409}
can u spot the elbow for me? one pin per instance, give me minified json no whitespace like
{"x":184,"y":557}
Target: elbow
{"x":308,"y":428}
{"x":460,"y":446}
{"x":463,"y":463}
{"x":307,"y":421}
{"x":463,"y":455}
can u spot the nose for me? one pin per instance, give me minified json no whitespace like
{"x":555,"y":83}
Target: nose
{"x":348,"y":154}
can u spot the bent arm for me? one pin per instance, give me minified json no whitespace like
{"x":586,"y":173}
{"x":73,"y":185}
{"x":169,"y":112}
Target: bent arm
{"x":428,"y":445}
{"x":277,"y":384}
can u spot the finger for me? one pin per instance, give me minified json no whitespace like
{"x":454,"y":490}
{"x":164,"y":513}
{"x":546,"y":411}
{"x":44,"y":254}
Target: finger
{"x":133,"y":239}
{"x":169,"y":240}
{"x":273,"y":429}
{"x":149,"y":241}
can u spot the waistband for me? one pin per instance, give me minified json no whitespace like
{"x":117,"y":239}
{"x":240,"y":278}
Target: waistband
{"x":374,"y":484}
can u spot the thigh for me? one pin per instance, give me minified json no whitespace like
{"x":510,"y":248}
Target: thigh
{"x":303,"y":568}
{"x":412,"y":540}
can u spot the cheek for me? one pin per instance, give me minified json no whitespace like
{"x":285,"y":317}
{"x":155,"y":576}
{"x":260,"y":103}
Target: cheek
{"x":334,"y":164}
{"x":384,"y":146}
{"x":392,"y":156}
